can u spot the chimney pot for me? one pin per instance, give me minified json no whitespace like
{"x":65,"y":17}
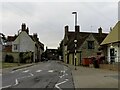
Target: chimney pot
{"x":77,"y":29}
{"x":23,"y":27}
{"x":27,"y":30}
{"x":66,"y":29}
{"x":100,"y":30}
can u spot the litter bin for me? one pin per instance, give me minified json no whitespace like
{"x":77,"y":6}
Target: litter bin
{"x":85,"y":61}
{"x":96,"y":63}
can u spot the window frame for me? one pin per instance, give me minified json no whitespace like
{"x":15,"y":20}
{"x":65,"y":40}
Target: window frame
{"x":90,"y":44}
{"x":15,"y":46}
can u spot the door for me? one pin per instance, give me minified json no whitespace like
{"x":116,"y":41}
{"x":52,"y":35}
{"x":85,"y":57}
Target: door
{"x":112,"y":55}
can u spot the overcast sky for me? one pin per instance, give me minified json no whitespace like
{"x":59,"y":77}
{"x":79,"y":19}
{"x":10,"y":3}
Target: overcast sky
{"x":48,"y":19}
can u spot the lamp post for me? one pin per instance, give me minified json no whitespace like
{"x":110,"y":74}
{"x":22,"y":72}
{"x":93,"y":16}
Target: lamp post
{"x":75,"y":17}
{"x":75,"y":41}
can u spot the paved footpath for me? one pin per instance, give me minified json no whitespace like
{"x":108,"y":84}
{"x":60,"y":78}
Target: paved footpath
{"x":85,"y":77}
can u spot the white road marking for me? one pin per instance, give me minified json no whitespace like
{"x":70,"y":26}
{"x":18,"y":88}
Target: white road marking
{"x":50,"y":70}
{"x":6,"y":86}
{"x":26,"y":76}
{"x":38,"y":70}
{"x":63,"y":71}
{"x":63,"y":75}
{"x":31,"y":74}
{"x":26,"y":71}
{"x":16,"y":82}
{"x":57,"y":85}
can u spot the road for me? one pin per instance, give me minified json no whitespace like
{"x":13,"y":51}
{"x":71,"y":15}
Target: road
{"x":49,"y":74}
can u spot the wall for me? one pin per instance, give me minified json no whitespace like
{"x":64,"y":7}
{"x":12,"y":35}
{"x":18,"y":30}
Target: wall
{"x":65,"y":54}
{"x":0,"y":55}
{"x":14,"y":54}
{"x":25,"y":42}
{"x":89,"y":52}
{"x":0,"y":52}
{"x":71,"y":58}
{"x":119,"y":53}
{"x":0,"y":47}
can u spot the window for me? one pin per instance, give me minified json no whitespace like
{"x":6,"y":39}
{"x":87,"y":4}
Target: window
{"x":90,"y":44}
{"x":15,"y":46}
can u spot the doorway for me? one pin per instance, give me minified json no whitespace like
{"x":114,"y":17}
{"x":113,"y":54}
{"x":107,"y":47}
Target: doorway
{"x":112,"y":55}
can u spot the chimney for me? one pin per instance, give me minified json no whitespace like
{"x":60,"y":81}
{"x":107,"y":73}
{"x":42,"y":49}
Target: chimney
{"x":100,"y":30}
{"x":23,"y":27}
{"x":35,"y":36}
{"x":27,"y":30}
{"x":110,"y":29}
{"x":66,"y":29}
{"x":77,"y":29}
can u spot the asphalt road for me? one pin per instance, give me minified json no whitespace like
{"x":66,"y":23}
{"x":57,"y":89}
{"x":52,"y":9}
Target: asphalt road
{"x":49,"y":74}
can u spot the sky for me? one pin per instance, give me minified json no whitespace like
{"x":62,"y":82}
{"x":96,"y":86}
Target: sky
{"x":48,"y":18}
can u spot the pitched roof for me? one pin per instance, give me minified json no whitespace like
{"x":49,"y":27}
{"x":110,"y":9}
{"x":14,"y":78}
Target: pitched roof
{"x":8,"y":48}
{"x":81,"y":37}
{"x":113,"y":35}
{"x":37,"y":41}
{"x":11,"y":38}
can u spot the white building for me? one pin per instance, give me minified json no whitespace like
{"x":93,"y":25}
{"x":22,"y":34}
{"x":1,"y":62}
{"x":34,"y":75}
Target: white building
{"x":27,"y":43}
{"x":112,"y":41}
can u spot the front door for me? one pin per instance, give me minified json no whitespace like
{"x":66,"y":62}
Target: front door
{"x":112,"y":55}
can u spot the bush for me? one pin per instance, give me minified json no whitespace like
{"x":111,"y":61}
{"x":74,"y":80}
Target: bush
{"x":9,"y":58}
{"x":24,"y":57}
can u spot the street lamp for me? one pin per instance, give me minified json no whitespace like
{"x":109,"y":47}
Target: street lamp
{"x":75,"y":41}
{"x":75,"y":17}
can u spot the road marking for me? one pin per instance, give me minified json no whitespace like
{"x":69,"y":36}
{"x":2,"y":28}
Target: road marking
{"x":16,"y":82}
{"x":31,"y":74}
{"x":57,"y":85}
{"x":38,"y":70}
{"x":62,"y":71}
{"x":50,"y":70}
{"x":6,"y":86}
{"x":26,"y":71}
{"x":63,"y":75}
{"x":26,"y":76}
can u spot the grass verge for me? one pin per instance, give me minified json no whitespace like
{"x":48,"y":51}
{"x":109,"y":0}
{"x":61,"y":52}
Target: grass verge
{"x":8,"y":65}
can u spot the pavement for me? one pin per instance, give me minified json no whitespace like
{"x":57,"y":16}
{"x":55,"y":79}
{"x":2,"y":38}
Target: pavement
{"x":86,"y":77}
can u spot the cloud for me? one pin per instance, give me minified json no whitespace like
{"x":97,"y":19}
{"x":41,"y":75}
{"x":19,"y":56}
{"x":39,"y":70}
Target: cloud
{"x":119,"y":11}
{"x":49,"y":18}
